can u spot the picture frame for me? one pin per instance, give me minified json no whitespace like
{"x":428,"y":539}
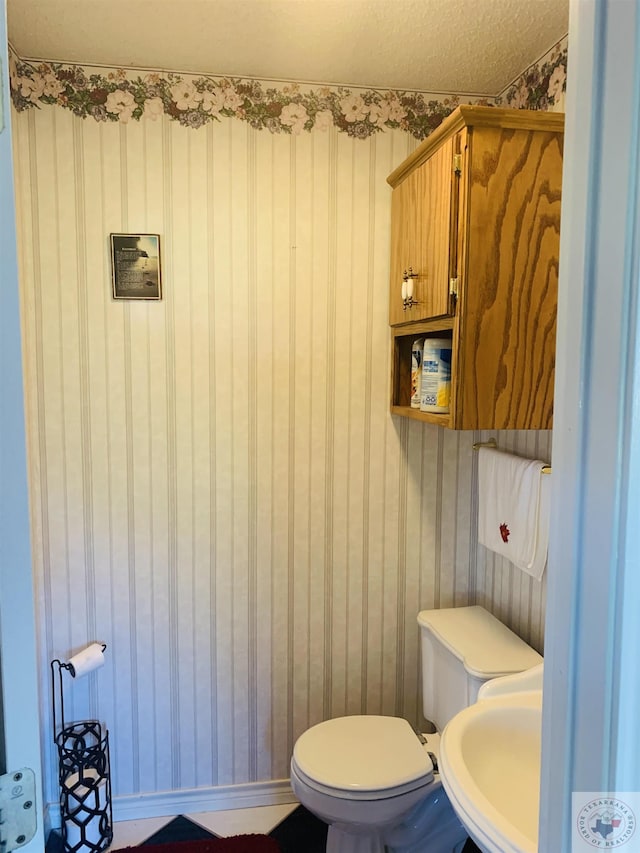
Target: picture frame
{"x":135,"y":266}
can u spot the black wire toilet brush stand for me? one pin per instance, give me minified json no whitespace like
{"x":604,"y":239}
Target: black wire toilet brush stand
{"x":83,"y":775}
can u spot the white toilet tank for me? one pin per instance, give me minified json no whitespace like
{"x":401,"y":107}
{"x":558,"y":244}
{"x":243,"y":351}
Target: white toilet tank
{"x":462,"y":647}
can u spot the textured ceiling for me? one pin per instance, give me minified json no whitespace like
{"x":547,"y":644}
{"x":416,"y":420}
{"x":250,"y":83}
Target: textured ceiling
{"x":464,"y":46}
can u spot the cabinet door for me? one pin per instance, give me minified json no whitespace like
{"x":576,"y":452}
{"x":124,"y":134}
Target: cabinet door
{"x":403,"y":241}
{"x":422,"y":230}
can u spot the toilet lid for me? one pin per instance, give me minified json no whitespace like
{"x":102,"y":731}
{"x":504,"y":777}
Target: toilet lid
{"x":365,"y":753}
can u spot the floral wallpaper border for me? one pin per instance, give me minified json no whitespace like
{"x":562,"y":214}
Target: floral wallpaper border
{"x":542,"y":85}
{"x":118,"y":95}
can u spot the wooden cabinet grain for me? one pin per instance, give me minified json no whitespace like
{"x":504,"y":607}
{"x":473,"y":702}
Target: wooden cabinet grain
{"x":476,"y":215}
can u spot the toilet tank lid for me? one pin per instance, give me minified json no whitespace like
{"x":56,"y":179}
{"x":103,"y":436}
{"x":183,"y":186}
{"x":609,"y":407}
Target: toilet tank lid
{"x":486,"y":647}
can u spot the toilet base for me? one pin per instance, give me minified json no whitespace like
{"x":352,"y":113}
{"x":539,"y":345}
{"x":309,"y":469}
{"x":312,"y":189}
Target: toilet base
{"x":410,"y":823}
{"x":340,"y":840}
{"x":432,"y":822}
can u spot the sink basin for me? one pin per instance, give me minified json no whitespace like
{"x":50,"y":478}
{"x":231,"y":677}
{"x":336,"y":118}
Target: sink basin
{"x":490,"y":769}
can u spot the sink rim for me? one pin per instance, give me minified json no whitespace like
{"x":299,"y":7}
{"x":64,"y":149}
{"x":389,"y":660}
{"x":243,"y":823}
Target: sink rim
{"x":484,"y":822}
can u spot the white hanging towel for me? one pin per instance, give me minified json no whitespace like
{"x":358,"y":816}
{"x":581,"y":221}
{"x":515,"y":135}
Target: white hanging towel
{"x":513,"y":509}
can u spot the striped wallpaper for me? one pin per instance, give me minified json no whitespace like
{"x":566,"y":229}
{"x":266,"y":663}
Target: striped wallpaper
{"x":218,"y":490}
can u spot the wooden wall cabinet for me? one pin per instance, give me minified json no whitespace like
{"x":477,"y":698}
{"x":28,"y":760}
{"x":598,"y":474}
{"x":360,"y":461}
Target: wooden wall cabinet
{"x":476,"y":216}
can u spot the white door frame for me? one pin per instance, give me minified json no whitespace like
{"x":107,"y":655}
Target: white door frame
{"x":17,"y":624}
{"x":591,"y":739}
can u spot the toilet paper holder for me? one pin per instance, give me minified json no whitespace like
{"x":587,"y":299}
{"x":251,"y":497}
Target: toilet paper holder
{"x":83,"y":768}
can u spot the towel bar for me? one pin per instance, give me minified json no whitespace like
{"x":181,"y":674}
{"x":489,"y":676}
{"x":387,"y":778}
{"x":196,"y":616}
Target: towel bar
{"x":491,"y":442}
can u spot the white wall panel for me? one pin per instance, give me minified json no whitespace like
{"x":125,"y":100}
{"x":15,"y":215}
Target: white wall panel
{"x":218,"y":490}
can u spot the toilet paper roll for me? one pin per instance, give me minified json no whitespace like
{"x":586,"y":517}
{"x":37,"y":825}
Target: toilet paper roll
{"x":87,"y":660}
{"x":83,"y":800}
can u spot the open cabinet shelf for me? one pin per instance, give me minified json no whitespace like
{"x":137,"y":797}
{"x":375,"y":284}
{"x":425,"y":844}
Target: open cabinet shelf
{"x":402,"y":339}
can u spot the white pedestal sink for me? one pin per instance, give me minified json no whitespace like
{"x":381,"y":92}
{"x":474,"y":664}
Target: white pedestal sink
{"x":490,"y":767}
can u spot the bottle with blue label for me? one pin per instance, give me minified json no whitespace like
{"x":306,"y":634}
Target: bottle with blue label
{"x":435,"y":387}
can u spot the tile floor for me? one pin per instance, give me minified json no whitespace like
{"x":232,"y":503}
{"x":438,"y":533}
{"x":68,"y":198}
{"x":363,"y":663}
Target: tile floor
{"x":295,"y":829}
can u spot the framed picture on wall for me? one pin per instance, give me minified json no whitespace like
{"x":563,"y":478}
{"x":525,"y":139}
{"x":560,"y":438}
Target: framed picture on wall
{"x":135,"y":266}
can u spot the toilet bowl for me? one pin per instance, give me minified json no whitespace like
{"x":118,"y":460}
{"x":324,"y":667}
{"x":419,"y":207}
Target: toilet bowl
{"x":364,"y":776}
{"x":371,"y":778}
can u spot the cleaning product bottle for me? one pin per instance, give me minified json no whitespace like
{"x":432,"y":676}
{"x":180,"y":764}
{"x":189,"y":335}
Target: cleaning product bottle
{"x":435,"y":388}
{"x":416,"y":371}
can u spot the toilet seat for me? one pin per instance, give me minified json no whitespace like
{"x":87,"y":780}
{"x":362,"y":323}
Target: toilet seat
{"x":362,"y":757}
{"x":362,"y":795}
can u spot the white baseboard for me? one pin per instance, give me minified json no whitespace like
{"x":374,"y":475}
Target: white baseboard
{"x":191,"y":801}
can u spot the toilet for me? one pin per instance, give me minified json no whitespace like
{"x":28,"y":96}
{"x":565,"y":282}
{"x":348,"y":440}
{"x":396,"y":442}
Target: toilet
{"x":373,"y":779}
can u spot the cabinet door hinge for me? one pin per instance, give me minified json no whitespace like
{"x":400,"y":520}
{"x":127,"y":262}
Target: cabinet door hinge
{"x":453,"y":287}
{"x":457,"y":163}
